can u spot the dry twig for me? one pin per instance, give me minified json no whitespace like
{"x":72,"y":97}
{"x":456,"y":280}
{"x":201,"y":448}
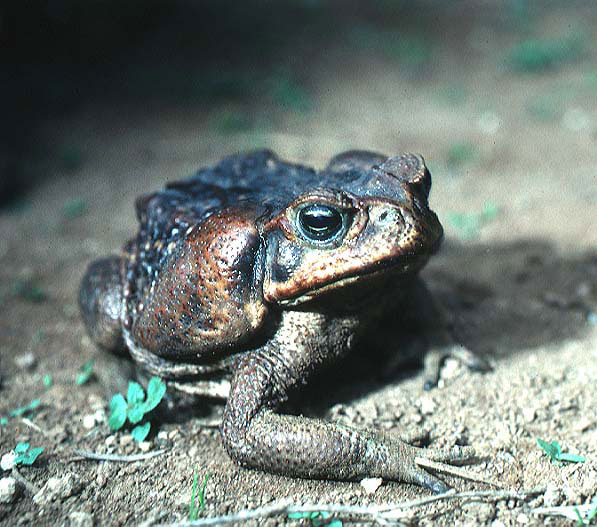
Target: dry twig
{"x":83,"y":454}
{"x":566,"y":511}
{"x":389,"y":514}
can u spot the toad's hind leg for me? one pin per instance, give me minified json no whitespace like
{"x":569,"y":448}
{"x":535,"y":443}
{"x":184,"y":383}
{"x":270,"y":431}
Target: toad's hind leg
{"x":100,"y":301}
{"x":256,"y":435}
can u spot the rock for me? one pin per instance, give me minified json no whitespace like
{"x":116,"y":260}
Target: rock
{"x":8,"y":461}
{"x":80,"y":519}
{"x":553,"y":496}
{"x":89,"y":421}
{"x":371,"y":484}
{"x":8,"y":490}
{"x":427,"y":405}
{"x":26,"y":361}
{"x":58,"y":489}
{"x":480,"y":513}
{"x":529,"y":414}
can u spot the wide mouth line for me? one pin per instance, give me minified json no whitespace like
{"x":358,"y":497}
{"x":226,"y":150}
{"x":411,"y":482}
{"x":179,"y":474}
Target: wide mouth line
{"x":365,"y":272}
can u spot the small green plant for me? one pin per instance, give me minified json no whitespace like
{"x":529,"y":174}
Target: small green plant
{"x":17,"y":412}
{"x":460,"y":153}
{"x":545,"y":108}
{"x":453,"y":94}
{"x":70,"y":157}
{"x":536,"y":55}
{"x":287,"y":93}
{"x":23,"y":410}
{"x":85,"y":373}
{"x":413,"y":49}
{"x":469,"y":224}
{"x":229,"y":121}
{"x":26,"y":455}
{"x":48,"y":381}
{"x":554,"y":452}
{"x":318,"y":518}
{"x":74,"y":208}
{"x":136,"y":406}
{"x":198,"y":493}
{"x":582,"y":522}
{"x":29,"y":291}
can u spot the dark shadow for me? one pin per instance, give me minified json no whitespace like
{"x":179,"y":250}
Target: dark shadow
{"x":505,"y":299}
{"x":58,"y":58}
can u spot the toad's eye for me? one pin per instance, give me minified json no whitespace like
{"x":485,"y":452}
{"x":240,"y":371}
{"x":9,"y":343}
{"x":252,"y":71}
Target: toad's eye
{"x":319,"y":222}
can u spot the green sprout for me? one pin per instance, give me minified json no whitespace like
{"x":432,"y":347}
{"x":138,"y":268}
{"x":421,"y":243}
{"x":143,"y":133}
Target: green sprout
{"x":48,"y":381}
{"x":554,"y":452}
{"x":536,"y":55}
{"x":17,"y":412}
{"x":592,"y":514}
{"x":71,"y":157}
{"x":288,"y":93}
{"x":27,"y":290}
{"x":136,"y":406}
{"x":85,"y":373}
{"x":229,"y":122}
{"x":461,"y":153}
{"x":318,"y":518}
{"x":194,"y":510}
{"x":469,"y":224}
{"x":25,"y":455}
{"x":74,"y":208}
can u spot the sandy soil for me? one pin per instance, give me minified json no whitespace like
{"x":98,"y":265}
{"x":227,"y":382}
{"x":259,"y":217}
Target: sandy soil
{"x":521,"y":284}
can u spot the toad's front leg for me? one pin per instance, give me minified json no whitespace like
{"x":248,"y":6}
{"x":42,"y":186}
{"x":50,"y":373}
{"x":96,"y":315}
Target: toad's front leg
{"x":258,"y":437}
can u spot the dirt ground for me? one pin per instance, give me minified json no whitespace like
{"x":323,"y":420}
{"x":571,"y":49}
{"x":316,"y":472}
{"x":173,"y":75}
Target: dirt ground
{"x":512,"y":148}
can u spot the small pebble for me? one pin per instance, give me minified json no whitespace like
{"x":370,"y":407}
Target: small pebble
{"x":489,"y":123}
{"x":89,"y":421}
{"x":451,"y":369}
{"x":26,"y":361}
{"x":522,"y":518}
{"x":553,"y":496}
{"x":576,"y":119}
{"x":529,"y":414}
{"x":417,"y":418}
{"x":145,"y":446}
{"x":371,"y":484}
{"x":125,"y":439}
{"x":427,"y":405}
{"x":8,"y":490}
{"x":8,"y":461}
{"x":58,"y":488}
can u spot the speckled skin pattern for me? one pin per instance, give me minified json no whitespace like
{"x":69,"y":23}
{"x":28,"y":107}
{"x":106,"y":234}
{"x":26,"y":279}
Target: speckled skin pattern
{"x":226,"y":290}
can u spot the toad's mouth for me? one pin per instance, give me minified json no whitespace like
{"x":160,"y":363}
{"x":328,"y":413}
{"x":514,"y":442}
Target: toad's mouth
{"x":398,"y":266}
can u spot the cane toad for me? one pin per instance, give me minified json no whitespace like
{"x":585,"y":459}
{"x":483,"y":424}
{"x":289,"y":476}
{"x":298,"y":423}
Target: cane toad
{"x":251,"y":275}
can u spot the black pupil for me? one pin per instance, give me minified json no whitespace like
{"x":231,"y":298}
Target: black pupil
{"x":320,"y":222}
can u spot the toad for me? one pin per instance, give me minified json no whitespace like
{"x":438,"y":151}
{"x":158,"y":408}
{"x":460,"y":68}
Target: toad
{"x":251,"y":275}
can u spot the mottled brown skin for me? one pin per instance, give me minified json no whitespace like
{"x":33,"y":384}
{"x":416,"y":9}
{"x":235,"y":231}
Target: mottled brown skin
{"x":250,"y":276}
